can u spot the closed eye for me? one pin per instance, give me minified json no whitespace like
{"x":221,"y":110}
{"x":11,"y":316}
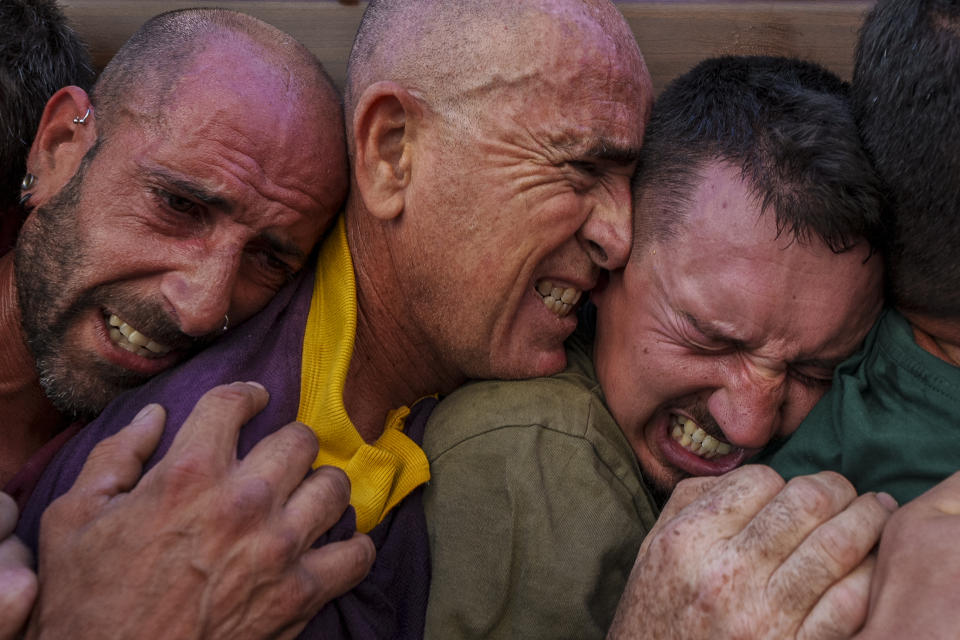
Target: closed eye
{"x":811,"y":380}
{"x":274,"y":270}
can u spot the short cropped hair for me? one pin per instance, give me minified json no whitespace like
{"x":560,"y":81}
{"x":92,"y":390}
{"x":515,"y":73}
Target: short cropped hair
{"x":39,"y":54}
{"x":789,"y":128}
{"x":906,"y":95}
{"x":155,"y":57}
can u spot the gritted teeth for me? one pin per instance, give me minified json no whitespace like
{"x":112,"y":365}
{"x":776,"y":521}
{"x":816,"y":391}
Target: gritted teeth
{"x":695,"y":440}
{"x":560,"y":300}
{"x":126,"y":337}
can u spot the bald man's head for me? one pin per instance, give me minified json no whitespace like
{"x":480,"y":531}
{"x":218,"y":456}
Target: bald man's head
{"x":140,"y":79}
{"x":492,"y":144}
{"x":197,"y":179}
{"x":454,"y":55}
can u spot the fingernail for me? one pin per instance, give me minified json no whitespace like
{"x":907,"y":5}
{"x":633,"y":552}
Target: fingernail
{"x":887,"y":500}
{"x":256,"y":384}
{"x":144,"y":413}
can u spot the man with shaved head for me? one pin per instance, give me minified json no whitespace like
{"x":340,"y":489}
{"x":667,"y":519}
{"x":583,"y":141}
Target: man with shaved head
{"x":492,"y":145}
{"x":168,"y":205}
{"x":750,"y":276}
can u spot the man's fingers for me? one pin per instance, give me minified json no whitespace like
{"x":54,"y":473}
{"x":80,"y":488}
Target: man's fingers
{"x":337,"y":567}
{"x":115,"y":464}
{"x":686,"y":492}
{"x":318,"y":503}
{"x":282,"y":459}
{"x":805,"y":503}
{"x":18,"y":586}
{"x":735,"y":499}
{"x":8,"y":515}
{"x":18,"y":590}
{"x":829,"y":553}
{"x":211,"y":430}
{"x":14,"y":553}
{"x":842,"y":610}
{"x":942,"y":498}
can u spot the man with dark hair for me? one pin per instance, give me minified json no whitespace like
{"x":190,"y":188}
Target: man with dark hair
{"x":39,"y":53}
{"x":492,"y":147}
{"x":752,"y":275}
{"x":890,"y":421}
{"x":173,"y":201}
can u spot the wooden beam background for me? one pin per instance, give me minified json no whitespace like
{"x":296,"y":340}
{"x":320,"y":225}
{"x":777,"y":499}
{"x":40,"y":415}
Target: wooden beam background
{"x":673,"y":35}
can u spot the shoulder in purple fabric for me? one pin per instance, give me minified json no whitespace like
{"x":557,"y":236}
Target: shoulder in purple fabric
{"x":391,"y":601}
{"x":266,"y":348}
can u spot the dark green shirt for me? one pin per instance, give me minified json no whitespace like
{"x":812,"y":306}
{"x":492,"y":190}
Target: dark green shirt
{"x":536,"y":508}
{"x":890,"y":422}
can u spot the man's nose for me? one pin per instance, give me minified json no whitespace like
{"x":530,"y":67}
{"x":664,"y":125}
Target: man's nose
{"x":607,"y":232}
{"x":200,"y":292}
{"x":748,"y":407}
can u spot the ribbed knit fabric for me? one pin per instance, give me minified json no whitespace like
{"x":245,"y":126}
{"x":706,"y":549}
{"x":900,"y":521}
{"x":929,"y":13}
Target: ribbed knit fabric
{"x":381,"y":473}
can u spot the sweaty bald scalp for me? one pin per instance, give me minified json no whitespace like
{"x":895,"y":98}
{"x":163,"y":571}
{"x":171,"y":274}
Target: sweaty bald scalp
{"x":441,"y":50}
{"x":147,"y":68}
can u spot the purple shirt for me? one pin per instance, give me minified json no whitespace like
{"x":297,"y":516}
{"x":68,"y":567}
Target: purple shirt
{"x":391,"y":600}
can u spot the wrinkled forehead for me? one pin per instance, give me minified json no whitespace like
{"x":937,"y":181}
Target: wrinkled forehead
{"x":770,"y":291}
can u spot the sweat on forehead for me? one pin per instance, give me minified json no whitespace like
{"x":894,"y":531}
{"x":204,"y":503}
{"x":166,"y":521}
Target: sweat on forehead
{"x":145,"y":72}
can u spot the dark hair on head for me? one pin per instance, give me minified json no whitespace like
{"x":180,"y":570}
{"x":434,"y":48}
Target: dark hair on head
{"x":906,"y":96}
{"x":786,"y":124}
{"x":39,"y":54}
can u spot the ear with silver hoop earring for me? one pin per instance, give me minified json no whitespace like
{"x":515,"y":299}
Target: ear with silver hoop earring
{"x":226,"y":323}
{"x":83,"y":120}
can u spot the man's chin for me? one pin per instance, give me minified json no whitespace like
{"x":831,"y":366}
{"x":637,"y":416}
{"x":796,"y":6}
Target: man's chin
{"x":85,"y":396}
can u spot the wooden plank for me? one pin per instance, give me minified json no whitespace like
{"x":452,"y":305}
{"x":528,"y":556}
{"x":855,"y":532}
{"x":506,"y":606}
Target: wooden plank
{"x":672,"y":35}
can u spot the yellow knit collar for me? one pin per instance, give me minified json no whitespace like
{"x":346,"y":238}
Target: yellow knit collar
{"x":382,"y":473}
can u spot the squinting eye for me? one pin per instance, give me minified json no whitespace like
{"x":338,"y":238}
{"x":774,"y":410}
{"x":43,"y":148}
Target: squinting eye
{"x":270,"y":262}
{"x":589,"y":168}
{"x":811,"y":381}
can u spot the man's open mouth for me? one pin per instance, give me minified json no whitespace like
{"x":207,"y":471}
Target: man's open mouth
{"x":694,"y":439}
{"x":559,"y":300}
{"x":127,"y":337}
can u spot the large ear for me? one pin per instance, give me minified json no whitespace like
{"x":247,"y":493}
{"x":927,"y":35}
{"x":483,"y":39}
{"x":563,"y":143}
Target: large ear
{"x":66,"y":132}
{"x":384,"y":126}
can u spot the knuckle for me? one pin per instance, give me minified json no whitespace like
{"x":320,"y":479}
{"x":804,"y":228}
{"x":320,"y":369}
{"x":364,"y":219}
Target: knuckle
{"x":247,"y":500}
{"x":281,"y":548}
{"x":235,"y":393}
{"x":836,"y":548}
{"x":303,"y":438}
{"x":333,"y":485}
{"x":761,"y":476}
{"x":817,"y":496}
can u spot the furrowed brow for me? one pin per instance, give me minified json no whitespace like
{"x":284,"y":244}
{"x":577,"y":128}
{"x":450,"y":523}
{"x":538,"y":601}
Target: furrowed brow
{"x":188,"y":188}
{"x":283,"y":247}
{"x":614,"y":153}
{"x":712,"y":332}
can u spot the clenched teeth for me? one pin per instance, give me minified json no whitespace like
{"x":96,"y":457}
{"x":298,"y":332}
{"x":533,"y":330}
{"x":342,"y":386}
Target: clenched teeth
{"x":695,"y":440}
{"x":126,"y":337}
{"x":559,"y":300}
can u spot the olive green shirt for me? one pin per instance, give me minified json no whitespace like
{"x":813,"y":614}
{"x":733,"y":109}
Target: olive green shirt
{"x":536,"y":508}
